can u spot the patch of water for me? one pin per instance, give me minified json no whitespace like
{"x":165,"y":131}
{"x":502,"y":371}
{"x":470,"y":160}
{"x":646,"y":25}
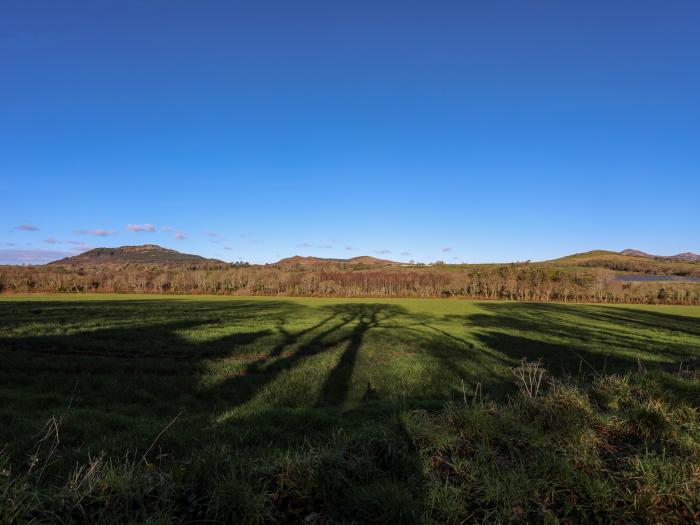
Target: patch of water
{"x":640,"y":278}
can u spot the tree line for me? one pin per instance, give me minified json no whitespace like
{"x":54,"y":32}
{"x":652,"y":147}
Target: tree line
{"x":518,"y":281}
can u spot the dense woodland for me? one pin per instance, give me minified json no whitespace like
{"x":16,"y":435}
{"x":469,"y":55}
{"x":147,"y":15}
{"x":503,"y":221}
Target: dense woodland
{"x":518,"y":281}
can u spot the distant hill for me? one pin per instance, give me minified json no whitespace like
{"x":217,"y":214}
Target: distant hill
{"x":682,"y":257}
{"x":322,"y":261}
{"x":633,"y":261}
{"x":626,"y":255}
{"x":627,"y":260}
{"x":583,"y":257}
{"x":635,"y":253}
{"x":145,"y":254}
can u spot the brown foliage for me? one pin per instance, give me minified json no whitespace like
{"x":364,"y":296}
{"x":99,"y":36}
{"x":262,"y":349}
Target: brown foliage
{"x":524,"y":282}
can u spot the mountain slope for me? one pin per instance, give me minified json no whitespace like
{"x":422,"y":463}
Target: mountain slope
{"x":321,"y":261}
{"x":632,"y":261}
{"x":145,"y":254}
{"x":687,"y":257}
{"x":584,"y":257}
{"x":635,"y":253}
{"x":682,"y":257}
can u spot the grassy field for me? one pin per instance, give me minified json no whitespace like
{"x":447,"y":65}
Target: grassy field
{"x":220,"y":409}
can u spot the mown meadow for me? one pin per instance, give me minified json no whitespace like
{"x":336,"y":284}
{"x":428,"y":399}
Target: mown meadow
{"x":220,"y":409}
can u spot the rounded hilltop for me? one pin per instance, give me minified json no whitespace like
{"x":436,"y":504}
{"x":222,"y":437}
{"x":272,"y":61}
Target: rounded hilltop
{"x":299,"y":260}
{"x":142,"y":254}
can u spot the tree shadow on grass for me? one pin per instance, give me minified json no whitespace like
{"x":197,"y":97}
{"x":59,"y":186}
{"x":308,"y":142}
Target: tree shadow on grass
{"x":592,"y":338}
{"x":567,"y":338}
{"x":162,"y":336}
{"x":152,"y":341}
{"x":141,"y":342}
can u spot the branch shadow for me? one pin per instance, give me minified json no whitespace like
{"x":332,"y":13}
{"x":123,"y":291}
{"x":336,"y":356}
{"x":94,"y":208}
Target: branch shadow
{"x":595,"y":338}
{"x":143,"y":341}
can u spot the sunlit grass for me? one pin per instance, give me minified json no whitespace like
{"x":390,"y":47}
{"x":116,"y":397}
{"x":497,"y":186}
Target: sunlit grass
{"x":265,"y":378}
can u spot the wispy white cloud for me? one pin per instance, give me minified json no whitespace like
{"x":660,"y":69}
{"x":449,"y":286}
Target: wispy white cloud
{"x":447,"y":249}
{"x":79,"y":246}
{"x":141,"y":228}
{"x":325,"y":246}
{"x":349,"y":248}
{"x":405,"y":254}
{"x":26,"y":228}
{"x":382,"y":252}
{"x":305,"y":245}
{"x":227,"y":248}
{"x":51,"y":240}
{"x":178,"y":234}
{"x":98,"y":232}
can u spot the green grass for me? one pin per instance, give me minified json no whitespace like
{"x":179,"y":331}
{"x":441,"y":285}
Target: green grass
{"x":624,"y":263}
{"x":336,"y":409}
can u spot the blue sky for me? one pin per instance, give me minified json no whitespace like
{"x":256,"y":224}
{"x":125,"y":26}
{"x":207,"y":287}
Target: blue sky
{"x":461,"y":131}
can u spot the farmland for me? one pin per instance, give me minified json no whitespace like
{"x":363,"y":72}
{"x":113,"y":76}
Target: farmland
{"x":325,"y":410}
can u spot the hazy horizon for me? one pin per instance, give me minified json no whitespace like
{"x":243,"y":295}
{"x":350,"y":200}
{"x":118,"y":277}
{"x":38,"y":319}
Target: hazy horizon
{"x":30,"y":257}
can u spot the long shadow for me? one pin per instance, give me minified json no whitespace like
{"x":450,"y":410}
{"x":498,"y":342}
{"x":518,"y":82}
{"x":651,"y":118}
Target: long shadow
{"x":148,"y":330}
{"x":337,"y":384}
{"x":566,"y":337}
{"x":596,"y":338}
{"x":342,"y":325}
{"x":644,"y":319}
{"x":151,"y":338}
{"x":147,"y":338}
{"x":149,"y":342}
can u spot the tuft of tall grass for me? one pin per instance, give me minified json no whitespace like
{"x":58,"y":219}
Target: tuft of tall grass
{"x":564,"y":451}
{"x":614,"y":448}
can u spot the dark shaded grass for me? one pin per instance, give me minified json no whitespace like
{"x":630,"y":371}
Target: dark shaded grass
{"x":561,"y":455}
{"x":331,"y":411}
